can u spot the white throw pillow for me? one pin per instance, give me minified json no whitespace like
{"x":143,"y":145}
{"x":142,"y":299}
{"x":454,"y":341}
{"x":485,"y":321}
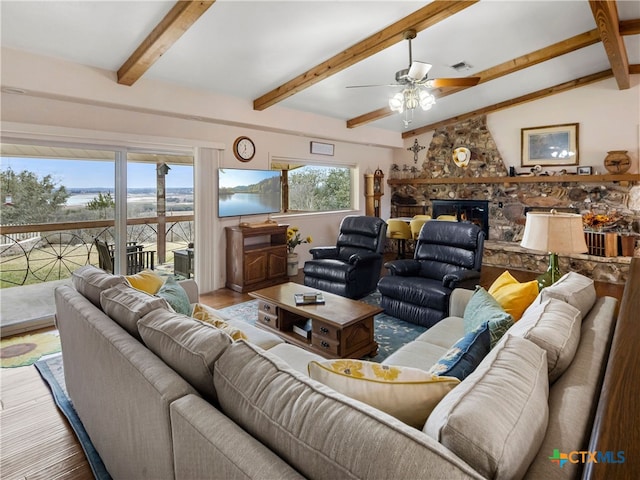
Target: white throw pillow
{"x":573,"y":288}
{"x":555,"y":327}
{"x":409,"y":394}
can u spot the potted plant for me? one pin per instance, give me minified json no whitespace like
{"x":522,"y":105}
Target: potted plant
{"x":293,"y":240}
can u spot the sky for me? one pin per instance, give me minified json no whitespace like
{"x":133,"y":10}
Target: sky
{"x":232,"y":177}
{"x":97,"y":174}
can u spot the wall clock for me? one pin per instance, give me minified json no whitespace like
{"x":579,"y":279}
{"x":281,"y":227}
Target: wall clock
{"x":244,"y":149}
{"x":461,"y":156}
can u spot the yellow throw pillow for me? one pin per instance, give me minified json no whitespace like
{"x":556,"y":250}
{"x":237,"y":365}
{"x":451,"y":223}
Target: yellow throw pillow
{"x":147,"y":281}
{"x":512,"y":295}
{"x":204,"y":314}
{"x":409,"y":394}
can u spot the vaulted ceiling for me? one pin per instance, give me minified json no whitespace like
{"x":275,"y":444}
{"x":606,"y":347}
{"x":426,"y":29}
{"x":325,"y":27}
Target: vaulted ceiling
{"x":303,"y":54}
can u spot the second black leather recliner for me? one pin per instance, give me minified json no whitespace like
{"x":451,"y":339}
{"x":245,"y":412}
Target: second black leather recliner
{"x":447,"y":255}
{"x":352,"y":267}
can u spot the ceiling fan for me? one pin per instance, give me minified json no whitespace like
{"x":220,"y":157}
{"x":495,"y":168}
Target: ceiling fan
{"x":416,"y":74}
{"x":416,"y":83}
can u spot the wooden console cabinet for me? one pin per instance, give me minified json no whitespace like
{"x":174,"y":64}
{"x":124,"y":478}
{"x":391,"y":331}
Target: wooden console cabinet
{"x":256,"y":257}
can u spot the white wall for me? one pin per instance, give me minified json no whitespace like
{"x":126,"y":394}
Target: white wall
{"x":608,"y":118}
{"x":68,"y":102}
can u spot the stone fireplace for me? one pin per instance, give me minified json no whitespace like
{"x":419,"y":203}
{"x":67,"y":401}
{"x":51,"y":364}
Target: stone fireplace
{"x":475,"y":211}
{"x":508,"y":201}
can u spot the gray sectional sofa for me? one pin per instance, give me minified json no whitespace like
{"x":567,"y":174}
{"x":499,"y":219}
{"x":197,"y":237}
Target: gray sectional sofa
{"x":164,"y":396}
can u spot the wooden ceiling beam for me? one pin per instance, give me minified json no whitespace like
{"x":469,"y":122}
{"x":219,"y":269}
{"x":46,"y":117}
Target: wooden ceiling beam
{"x":419,"y":20}
{"x":545,"y":92}
{"x":179,"y":19}
{"x":510,"y":66}
{"x":630,"y":27}
{"x":605,"y":13}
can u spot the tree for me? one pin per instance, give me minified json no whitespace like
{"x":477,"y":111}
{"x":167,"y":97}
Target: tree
{"x":33,"y":199}
{"x":102,"y":203}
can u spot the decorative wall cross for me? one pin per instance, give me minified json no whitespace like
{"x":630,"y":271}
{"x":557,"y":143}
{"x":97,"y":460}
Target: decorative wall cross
{"x":415,"y":149}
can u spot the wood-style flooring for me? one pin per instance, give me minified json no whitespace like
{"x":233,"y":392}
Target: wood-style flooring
{"x":36,"y":442}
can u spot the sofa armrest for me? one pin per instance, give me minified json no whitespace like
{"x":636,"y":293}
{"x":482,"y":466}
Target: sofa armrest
{"x":461,"y":279}
{"x":404,"y":268}
{"x":319,"y":253}
{"x":191,"y":287}
{"x":458,"y":301}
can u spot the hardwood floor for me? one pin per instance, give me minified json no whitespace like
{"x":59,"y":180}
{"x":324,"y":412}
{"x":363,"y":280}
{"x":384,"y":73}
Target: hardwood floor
{"x":36,"y":440}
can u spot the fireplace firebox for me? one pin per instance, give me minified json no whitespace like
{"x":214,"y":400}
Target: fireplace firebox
{"x":474,"y":211}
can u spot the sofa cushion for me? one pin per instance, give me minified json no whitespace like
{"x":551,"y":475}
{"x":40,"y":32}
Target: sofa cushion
{"x":175,"y":296}
{"x":187,"y":345}
{"x":465,"y":355}
{"x":496,"y":419}
{"x":409,"y":394}
{"x":318,"y":431}
{"x":573,"y":288}
{"x":147,"y":281}
{"x":555,"y":327}
{"x":90,"y":281}
{"x":126,"y":305}
{"x":481,"y":308}
{"x":512,"y":295}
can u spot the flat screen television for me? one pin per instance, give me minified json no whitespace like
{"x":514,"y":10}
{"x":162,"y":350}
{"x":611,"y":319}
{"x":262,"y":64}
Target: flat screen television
{"x":244,"y":191}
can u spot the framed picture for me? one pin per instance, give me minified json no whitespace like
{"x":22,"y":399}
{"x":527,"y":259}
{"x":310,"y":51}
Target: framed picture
{"x":584,"y":170}
{"x":553,"y":145}
{"x":322,"y":148}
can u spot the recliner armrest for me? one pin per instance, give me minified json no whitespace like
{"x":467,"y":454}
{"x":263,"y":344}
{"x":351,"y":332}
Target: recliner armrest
{"x":461,"y":279}
{"x":323,"y":252}
{"x":405,"y":268}
{"x":364,"y":257}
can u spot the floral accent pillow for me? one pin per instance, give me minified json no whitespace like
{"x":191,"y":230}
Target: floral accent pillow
{"x":202,"y":313}
{"x":409,"y":394}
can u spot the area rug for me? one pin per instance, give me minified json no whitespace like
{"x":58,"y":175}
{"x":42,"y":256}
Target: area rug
{"x":390,"y":332}
{"x":50,"y":368}
{"x":23,"y":350}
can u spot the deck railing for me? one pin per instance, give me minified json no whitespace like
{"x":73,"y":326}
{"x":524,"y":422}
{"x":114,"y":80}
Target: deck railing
{"x":61,"y":248}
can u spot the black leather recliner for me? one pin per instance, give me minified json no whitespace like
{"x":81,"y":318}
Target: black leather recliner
{"x":448,"y":255}
{"x":351,"y":268}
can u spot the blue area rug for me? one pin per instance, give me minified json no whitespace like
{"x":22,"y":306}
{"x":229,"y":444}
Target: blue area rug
{"x":390,"y":332}
{"x":50,"y":368}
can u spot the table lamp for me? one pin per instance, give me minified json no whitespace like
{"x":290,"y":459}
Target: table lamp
{"x":554,"y":233}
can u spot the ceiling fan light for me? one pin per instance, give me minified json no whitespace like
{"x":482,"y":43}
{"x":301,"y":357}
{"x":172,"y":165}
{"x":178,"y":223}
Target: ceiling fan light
{"x":418,"y":70}
{"x":396,"y":103}
{"x":426,"y":100}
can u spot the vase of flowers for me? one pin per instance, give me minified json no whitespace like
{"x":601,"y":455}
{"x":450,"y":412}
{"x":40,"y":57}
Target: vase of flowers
{"x":293,"y":240}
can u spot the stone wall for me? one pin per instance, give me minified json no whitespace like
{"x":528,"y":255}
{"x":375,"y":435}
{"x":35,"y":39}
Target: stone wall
{"x":507,"y":201}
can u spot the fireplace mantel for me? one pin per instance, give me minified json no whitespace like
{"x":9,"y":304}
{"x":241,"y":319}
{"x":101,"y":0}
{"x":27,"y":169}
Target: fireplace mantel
{"x":623,"y":179}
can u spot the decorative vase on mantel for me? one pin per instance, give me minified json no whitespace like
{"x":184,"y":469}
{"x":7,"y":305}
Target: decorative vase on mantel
{"x":292,"y":264}
{"x":617,"y":161}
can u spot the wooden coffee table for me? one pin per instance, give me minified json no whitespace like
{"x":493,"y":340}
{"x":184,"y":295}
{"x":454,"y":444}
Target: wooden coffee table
{"x":341,"y":327}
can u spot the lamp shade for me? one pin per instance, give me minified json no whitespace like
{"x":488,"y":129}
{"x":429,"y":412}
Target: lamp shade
{"x":554,"y":232}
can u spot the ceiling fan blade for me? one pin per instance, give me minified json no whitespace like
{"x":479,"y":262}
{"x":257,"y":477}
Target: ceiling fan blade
{"x":381,"y":85}
{"x":418,"y":70}
{"x":452,"y":82}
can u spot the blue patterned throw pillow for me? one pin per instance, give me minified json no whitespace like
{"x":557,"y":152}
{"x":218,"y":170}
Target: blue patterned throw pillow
{"x":176,"y":296}
{"x":482,"y":307}
{"x":467,"y":353}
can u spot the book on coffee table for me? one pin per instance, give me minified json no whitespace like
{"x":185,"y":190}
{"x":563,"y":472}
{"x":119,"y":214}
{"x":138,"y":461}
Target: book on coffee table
{"x":303,"y":328}
{"x":308,"y":298}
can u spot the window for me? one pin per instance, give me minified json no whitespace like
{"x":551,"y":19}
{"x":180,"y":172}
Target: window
{"x":316,"y":188}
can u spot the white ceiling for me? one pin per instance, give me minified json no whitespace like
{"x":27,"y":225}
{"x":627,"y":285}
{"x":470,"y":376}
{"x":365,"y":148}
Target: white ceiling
{"x":247,"y":48}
